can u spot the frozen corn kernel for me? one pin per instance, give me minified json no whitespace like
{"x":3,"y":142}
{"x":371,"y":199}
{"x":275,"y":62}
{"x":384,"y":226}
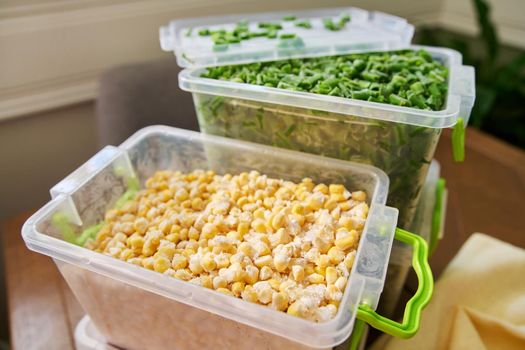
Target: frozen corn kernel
{"x":298,"y":273}
{"x":336,"y":255}
{"x":359,"y":196}
{"x":280,"y":261}
{"x":265,"y":273}
{"x":349,"y":260}
{"x":340,"y":283}
{"x":333,"y":293}
{"x":238,"y":288}
{"x":264,"y":291}
{"x":279,"y":301}
{"x":290,"y":246}
{"x":208,"y":263}
{"x":348,"y":241}
{"x":219,"y":282}
{"x":315,"y":278}
{"x":296,"y":309}
{"x":263,"y":261}
{"x":249,"y":294}
{"x":251,"y":275}
{"x":331,"y":275}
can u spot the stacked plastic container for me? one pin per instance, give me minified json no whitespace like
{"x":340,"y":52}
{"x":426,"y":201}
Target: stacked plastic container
{"x":136,"y":308}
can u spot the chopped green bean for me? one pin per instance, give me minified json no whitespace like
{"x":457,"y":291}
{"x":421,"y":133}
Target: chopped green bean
{"x":367,"y":77}
{"x":303,"y":24}
{"x":287,"y":36}
{"x":204,"y":32}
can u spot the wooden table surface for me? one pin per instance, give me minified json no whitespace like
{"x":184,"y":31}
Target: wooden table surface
{"x":486,"y":194}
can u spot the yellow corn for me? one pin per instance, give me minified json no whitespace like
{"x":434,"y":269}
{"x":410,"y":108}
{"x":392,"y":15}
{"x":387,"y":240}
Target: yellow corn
{"x":249,"y":243}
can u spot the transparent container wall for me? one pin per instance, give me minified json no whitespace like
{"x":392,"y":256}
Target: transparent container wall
{"x":162,"y":151}
{"x":403,"y":151}
{"x":137,"y":308}
{"x":133,"y":318}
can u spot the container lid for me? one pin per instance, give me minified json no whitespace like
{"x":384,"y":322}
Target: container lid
{"x":245,"y":38}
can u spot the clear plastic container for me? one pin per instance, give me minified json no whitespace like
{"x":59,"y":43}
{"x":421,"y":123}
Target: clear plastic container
{"x":366,"y":31}
{"x":399,"y":140}
{"x":135,"y":308}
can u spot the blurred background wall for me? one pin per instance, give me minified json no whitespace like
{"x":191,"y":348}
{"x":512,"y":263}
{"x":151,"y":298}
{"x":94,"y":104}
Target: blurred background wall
{"x":52,"y":53}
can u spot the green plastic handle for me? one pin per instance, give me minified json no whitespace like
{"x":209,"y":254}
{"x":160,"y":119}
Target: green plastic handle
{"x":458,"y":141}
{"x":437,"y":215}
{"x":357,"y":334}
{"x":412,"y":316}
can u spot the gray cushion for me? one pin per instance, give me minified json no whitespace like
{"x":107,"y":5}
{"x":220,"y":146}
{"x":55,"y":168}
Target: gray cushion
{"x":134,"y":96}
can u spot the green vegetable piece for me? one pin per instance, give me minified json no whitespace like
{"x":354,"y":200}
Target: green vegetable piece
{"x":89,"y":233}
{"x":361,"y":94}
{"x":269,"y":25}
{"x":345,"y":18}
{"x":189,"y":31}
{"x":329,"y":24}
{"x":417,"y":87}
{"x":129,"y":194}
{"x":204,"y":32}
{"x":289,"y":18}
{"x":258,"y":34}
{"x":287,"y":36}
{"x":417,"y":100}
{"x":61,"y":222}
{"x":397,"y":100}
{"x":272,"y":34}
{"x":304,"y":24}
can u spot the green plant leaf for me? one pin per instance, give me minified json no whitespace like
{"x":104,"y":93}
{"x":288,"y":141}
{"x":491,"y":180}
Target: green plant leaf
{"x":485,"y":99}
{"x":488,"y":31}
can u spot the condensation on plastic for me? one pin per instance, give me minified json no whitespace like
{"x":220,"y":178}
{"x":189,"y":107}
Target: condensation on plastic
{"x":400,"y":261}
{"x":132,"y":306}
{"x":459,"y":102}
{"x":366,"y":31}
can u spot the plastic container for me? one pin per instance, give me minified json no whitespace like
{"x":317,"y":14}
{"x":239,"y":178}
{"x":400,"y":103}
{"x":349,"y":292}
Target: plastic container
{"x":399,"y":140}
{"x":428,"y":222}
{"x":366,"y":31}
{"x":133,"y":307}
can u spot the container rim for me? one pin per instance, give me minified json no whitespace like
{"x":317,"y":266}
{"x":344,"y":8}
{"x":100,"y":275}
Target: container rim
{"x":190,"y":80}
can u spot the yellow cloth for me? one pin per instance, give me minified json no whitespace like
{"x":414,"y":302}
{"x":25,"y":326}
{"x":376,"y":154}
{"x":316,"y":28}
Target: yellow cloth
{"x":478,"y":302}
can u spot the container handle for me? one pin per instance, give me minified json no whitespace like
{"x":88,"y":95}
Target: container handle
{"x":458,"y":141}
{"x":414,"y":307}
{"x":437,"y":215}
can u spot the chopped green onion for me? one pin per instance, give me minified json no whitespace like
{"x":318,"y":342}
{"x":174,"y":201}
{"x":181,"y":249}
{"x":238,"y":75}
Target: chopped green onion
{"x":289,"y":18}
{"x":367,"y":77}
{"x":303,"y":24}
{"x":287,"y":36}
